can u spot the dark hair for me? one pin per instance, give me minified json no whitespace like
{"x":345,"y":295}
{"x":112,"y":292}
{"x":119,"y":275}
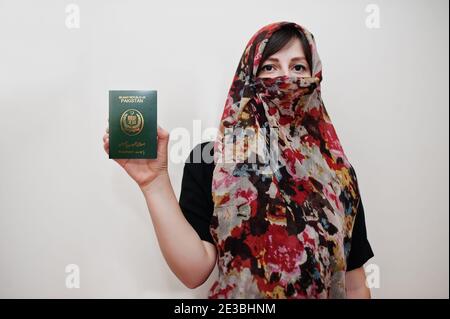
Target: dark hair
{"x":280,"y":38}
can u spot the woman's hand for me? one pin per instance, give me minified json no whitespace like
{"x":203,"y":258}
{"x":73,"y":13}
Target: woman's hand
{"x":145,"y":171}
{"x":355,"y":283}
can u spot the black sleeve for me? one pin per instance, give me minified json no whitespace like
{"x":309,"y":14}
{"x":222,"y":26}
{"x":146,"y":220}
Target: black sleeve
{"x":195,"y":196}
{"x":360,"y":249}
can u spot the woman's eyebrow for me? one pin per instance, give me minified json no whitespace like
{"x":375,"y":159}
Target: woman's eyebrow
{"x":295,"y":59}
{"x":299,"y":58}
{"x":272,"y":60}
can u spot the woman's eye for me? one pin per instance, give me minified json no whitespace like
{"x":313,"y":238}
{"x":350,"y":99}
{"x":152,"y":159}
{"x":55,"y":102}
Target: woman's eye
{"x":267,"y":67}
{"x":299,"y":67}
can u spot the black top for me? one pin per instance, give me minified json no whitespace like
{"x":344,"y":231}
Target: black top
{"x":197,"y":205}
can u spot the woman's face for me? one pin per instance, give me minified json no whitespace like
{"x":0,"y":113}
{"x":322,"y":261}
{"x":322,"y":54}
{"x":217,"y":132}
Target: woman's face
{"x":289,"y":61}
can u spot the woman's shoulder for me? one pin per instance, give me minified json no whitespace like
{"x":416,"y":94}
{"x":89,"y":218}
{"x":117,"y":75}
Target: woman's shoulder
{"x":199,"y":165}
{"x":202,"y":153}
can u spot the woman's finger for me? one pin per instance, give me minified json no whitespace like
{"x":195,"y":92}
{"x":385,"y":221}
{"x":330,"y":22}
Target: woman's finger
{"x":106,"y":146}
{"x":162,"y":133}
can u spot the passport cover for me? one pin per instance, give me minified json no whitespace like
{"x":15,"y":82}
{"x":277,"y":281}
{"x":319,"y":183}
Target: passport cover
{"x":132,"y":124}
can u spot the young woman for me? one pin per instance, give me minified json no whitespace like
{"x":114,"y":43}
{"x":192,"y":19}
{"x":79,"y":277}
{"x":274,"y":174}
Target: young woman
{"x":284,"y":220}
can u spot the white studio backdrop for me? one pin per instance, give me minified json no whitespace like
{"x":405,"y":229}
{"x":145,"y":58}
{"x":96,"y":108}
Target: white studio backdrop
{"x":63,"y":202}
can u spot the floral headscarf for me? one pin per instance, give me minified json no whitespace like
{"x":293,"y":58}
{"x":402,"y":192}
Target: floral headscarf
{"x":285,"y":195}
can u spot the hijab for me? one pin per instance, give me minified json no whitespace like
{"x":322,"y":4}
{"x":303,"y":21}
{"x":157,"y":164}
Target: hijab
{"x":285,"y":195}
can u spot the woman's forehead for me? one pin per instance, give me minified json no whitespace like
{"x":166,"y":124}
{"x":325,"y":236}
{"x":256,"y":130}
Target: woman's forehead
{"x":293,"y":50}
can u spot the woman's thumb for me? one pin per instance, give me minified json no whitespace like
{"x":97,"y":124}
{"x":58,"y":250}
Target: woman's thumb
{"x":163,"y":138}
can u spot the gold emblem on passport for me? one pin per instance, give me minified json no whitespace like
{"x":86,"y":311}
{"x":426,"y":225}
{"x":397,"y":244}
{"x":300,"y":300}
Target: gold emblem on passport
{"x":131,"y":122}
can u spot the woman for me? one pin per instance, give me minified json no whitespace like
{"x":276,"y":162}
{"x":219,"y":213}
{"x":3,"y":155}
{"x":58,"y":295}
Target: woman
{"x":273,"y":199}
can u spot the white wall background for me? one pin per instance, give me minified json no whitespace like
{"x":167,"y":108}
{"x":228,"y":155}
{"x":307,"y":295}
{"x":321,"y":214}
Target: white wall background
{"x":62,"y":201}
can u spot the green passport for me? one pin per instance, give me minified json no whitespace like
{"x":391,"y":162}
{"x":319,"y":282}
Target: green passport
{"x":132,"y":124}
